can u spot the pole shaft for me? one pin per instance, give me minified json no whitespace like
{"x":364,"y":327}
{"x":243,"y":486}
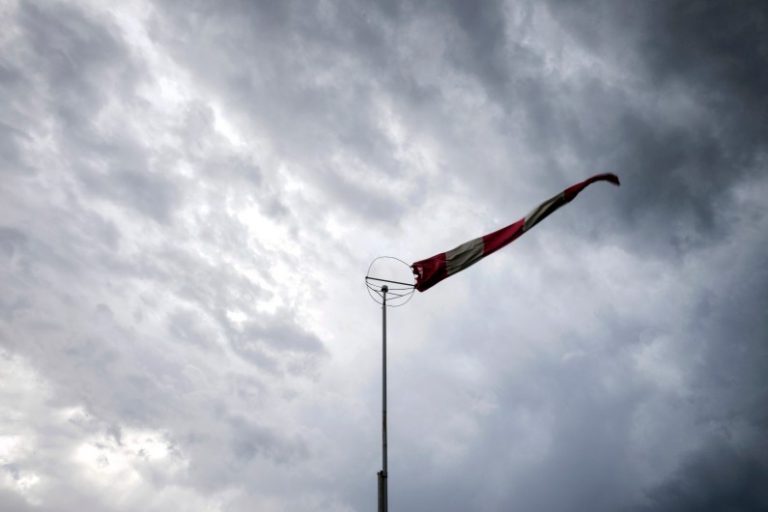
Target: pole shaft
{"x":383,"y":488}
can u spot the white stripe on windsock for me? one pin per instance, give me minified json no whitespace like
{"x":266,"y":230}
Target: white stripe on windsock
{"x":464,"y":255}
{"x":542,"y":211}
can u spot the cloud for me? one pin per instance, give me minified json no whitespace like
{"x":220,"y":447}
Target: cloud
{"x":682,"y":123}
{"x":720,"y":476}
{"x":192,"y":194}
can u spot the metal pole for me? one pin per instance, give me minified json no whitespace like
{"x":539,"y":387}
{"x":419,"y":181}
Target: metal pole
{"x":383,"y":474}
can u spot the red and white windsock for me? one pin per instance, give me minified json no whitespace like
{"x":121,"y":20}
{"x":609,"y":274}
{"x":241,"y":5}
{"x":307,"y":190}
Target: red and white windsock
{"x":432,"y":270}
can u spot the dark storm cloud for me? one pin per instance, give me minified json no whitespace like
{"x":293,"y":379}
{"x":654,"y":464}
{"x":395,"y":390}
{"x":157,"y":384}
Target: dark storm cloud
{"x":730,"y":341}
{"x":703,"y":133}
{"x":676,"y":140}
{"x":719,"y":477}
{"x":588,"y":426}
{"x":680,"y":148}
{"x":484,"y":25}
{"x":682,"y":174}
{"x":730,"y":470}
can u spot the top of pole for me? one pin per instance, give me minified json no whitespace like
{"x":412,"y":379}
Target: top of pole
{"x":390,"y":276}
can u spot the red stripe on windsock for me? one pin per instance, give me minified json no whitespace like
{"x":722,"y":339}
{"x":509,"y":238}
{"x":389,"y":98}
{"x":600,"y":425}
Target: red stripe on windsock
{"x":498,"y":239}
{"x":573,"y":190}
{"x":432,"y":270}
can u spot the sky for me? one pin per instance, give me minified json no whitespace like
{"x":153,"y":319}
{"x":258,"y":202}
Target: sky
{"x":191,"y":193}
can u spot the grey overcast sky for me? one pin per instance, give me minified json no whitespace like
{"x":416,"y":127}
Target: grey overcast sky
{"x":192,"y":191}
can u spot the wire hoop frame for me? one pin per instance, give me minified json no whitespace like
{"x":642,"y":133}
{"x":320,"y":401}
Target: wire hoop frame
{"x":398,"y":291}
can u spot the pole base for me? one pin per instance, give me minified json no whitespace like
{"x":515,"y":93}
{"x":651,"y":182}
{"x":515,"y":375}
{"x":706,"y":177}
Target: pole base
{"x":383,"y":499}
